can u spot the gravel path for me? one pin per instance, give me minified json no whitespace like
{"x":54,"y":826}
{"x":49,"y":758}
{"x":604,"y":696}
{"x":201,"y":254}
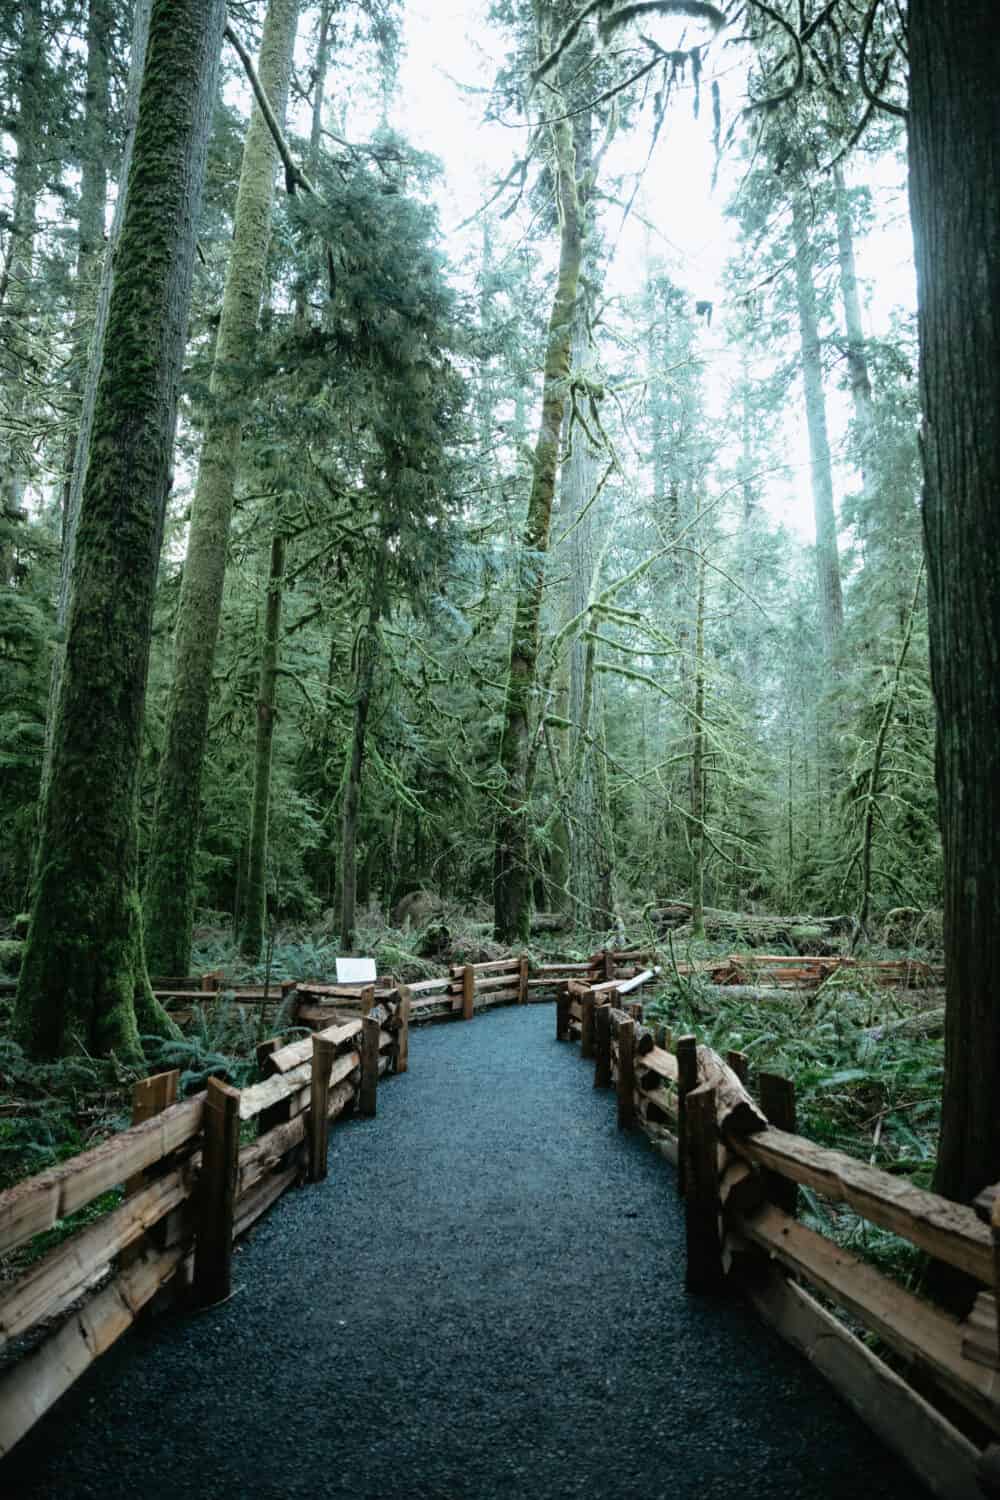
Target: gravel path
{"x":484,"y":1300}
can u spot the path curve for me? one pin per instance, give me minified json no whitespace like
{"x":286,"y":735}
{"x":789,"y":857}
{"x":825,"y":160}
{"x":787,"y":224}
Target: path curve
{"x":484,"y":1300}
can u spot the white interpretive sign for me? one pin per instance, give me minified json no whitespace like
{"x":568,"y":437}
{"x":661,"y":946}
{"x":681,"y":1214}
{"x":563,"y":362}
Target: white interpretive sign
{"x":355,"y":971}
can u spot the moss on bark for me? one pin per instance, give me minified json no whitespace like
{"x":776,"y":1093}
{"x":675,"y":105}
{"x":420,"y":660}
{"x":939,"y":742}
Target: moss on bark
{"x":83,"y":961}
{"x":170,"y":882}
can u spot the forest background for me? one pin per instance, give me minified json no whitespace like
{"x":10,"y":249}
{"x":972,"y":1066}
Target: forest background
{"x":404,"y":638}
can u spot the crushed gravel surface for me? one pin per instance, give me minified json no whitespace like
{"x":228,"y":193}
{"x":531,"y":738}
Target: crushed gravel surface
{"x":484,"y":1300}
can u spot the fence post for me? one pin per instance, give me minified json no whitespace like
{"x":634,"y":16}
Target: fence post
{"x":367,"y":1000}
{"x":602,"y":1047}
{"x":213,"y":1251}
{"x":468,"y":992}
{"x":626,"y":1074}
{"x":562,"y":1011}
{"x":150,"y":1096}
{"x":522,"y":981}
{"x":607,"y":964}
{"x":586,"y":1025}
{"x":740,"y":1064}
{"x":264,"y":1051}
{"x":777,"y":1100}
{"x":324,"y":1051}
{"x":687,"y":1079}
{"x":703,"y":1206}
{"x":635,"y":1011}
{"x":369,"y":1066}
{"x":401,"y":1053}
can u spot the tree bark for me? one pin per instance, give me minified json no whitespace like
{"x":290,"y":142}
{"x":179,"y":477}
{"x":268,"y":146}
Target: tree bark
{"x":15,"y":295}
{"x":170,"y":880}
{"x":512,"y":874}
{"x":83,"y":977}
{"x":366,"y":658}
{"x":831,"y":607}
{"x":255,"y":908}
{"x":955,"y":207}
{"x":74,"y":493}
{"x":857,"y":358}
{"x":93,"y":205}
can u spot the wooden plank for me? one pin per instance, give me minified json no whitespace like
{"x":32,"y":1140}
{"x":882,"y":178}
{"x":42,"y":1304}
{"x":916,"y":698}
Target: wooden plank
{"x":428,"y":987}
{"x":41,"y":1201}
{"x":401,"y":1059}
{"x":69,"y":1269}
{"x":494,"y":966}
{"x":626,"y":1075}
{"x":150,"y":1097}
{"x":261,"y":1196}
{"x":484,"y":986}
{"x":257,"y":1158}
{"x":297,"y":1053}
{"x":777,"y":1100}
{"x":323,"y":1058}
{"x":561,"y":970}
{"x":217,"y":1194}
{"x":663,"y":1064}
{"x":949,"y":1231}
{"x":35,"y":1383}
{"x":738,"y":1114}
{"x":289,"y":1089}
{"x":702,"y":1204}
{"x":937,"y":1453}
{"x":926,"y":1337}
{"x":368,"y":1094}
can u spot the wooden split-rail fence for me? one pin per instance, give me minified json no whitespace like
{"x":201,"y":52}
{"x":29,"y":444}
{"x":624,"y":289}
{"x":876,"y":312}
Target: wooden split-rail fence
{"x":192,"y":1186}
{"x":739,"y":1167}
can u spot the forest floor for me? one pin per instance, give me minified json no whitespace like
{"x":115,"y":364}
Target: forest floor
{"x":484,"y":1299}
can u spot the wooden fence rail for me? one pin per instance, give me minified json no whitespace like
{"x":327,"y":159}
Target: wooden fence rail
{"x":191,"y":1189}
{"x":740,"y":1174}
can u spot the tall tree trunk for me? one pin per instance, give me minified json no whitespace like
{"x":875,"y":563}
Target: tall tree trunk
{"x":588,"y":822}
{"x":15,"y":293}
{"x":857,"y":357}
{"x":698,"y":763}
{"x":511,"y":871}
{"x":367,"y":651}
{"x":831,"y":607}
{"x":170,"y":880}
{"x":83,"y":977}
{"x":255,"y":899}
{"x":90,"y":224}
{"x":955,"y":205}
{"x":73,"y":495}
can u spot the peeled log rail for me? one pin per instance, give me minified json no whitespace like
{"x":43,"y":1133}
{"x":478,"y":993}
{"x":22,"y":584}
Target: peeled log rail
{"x":40,"y":1202}
{"x":948,"y":1231}
{"x":297,"y":1053}
{"x":928,"y":1338}
{"x":736,"y":1110}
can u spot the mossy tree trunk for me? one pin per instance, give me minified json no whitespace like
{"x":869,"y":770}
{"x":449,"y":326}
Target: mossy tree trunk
{"x":15,"y":281}
{"x":367,"y":651}
{"x":73,"y":493}
{"x":831,"y":606}
{"x":512,"y":879}
{"x":83,"y":977}
{"x":93,"y":204}
{"x":170,"y":880}
{"x":255,"y":907}
{"x":955,"y":205}
{"x":698,"y":763}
